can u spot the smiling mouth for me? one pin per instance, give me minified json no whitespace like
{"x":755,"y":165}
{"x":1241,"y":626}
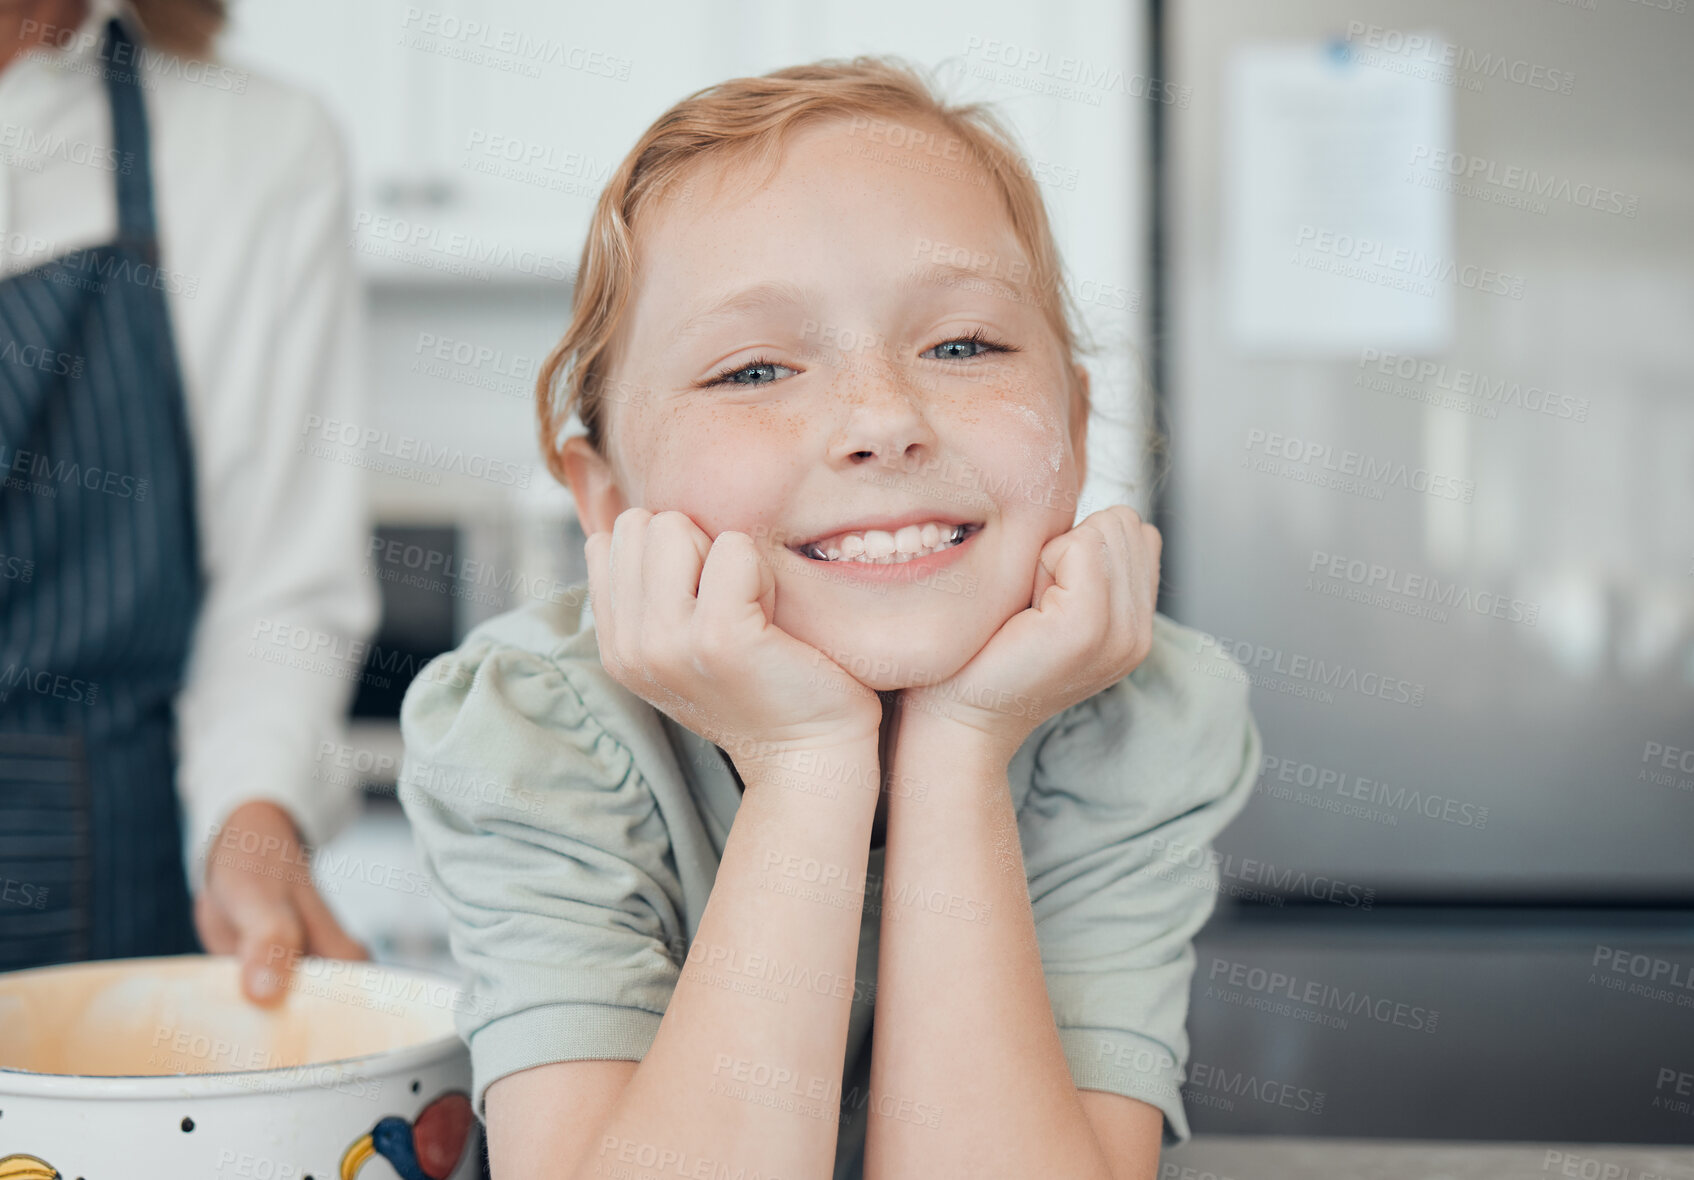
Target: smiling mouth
{"x":812,"y":551}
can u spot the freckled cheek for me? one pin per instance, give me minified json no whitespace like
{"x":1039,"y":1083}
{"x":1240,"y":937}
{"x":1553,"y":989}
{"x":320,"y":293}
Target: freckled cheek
{"x":1035,"y":503}
{"x":723,"y":477}
{"x":1031,"y":471}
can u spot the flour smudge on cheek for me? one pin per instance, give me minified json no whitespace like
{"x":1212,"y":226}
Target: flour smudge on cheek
{"x":1055,"y":440}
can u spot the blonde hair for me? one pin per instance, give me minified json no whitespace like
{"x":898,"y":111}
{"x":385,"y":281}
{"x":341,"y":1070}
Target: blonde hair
{"x":747,"y":120}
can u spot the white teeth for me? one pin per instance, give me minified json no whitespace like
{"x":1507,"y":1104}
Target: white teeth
{"x":877,"y":547}
{"x":879,"y":544}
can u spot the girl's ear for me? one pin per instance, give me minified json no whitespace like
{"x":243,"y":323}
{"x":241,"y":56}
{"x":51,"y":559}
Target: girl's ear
{"x":599,"y":500}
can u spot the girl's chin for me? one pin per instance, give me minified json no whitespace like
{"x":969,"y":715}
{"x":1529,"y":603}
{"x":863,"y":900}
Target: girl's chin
{"x":889,"y":665}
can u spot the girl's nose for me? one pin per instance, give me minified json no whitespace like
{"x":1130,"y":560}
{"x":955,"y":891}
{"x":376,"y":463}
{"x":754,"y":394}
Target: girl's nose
{"x":886,"y":421}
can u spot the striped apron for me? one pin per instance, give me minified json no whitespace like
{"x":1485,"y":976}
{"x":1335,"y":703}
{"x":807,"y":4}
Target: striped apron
{"x":99,"y":585}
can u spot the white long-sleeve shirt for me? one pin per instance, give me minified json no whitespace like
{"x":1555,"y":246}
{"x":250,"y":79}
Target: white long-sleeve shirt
{"x":252,"y":201}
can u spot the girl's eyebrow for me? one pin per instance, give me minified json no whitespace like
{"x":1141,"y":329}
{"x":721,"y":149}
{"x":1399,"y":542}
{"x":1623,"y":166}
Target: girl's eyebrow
{"x":767,"y":296}
{"x":779,"y":295}
{"x":947,"y":275}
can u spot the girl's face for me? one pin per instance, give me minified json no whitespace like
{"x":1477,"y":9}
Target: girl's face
{"x":841,"y":298}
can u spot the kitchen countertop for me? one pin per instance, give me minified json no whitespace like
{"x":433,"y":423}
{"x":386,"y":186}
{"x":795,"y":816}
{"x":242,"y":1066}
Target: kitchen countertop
{"x":1264,"y":1157}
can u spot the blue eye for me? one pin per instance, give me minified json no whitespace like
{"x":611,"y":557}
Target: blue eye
{"x":738,"y":374}
{"x":747,"y":374}
{"x":978,"y":337}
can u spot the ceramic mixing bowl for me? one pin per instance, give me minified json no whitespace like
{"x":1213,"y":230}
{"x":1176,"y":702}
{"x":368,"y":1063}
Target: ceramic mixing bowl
{"x":130,"y":1069}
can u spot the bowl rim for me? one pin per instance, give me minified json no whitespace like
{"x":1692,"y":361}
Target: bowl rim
{"x":15,"y":1082}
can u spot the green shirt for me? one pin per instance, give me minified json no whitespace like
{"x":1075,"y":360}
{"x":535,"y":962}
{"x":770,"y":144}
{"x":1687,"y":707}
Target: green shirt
{"x":573,"y":833}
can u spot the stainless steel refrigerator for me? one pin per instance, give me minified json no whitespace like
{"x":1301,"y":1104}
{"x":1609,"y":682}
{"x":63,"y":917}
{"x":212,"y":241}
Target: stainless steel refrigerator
{"x":1424,"y":348}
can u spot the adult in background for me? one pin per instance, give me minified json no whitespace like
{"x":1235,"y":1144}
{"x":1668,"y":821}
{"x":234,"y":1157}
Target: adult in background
{"x":177,"y":302}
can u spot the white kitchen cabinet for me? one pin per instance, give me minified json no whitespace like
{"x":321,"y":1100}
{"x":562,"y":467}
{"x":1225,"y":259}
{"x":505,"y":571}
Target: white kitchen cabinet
{"x":481,"y":133}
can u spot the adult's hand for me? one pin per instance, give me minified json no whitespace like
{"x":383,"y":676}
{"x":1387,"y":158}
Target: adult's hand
{"x":260,"y":903}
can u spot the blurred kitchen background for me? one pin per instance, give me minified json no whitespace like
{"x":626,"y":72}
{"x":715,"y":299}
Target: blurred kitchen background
{"x":1407,"y":290}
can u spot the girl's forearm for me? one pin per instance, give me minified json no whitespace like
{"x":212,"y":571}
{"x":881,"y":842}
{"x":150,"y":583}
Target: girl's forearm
{"x":744,"y":1076}
{"x":967,"y":1073}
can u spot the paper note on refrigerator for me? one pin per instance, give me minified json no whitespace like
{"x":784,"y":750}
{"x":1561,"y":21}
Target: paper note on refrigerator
{"x":1330,"y":243}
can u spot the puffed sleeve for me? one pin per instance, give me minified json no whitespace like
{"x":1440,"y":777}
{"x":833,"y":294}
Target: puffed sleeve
{"x":1162,"y":760}
{"x":546,"y":846}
